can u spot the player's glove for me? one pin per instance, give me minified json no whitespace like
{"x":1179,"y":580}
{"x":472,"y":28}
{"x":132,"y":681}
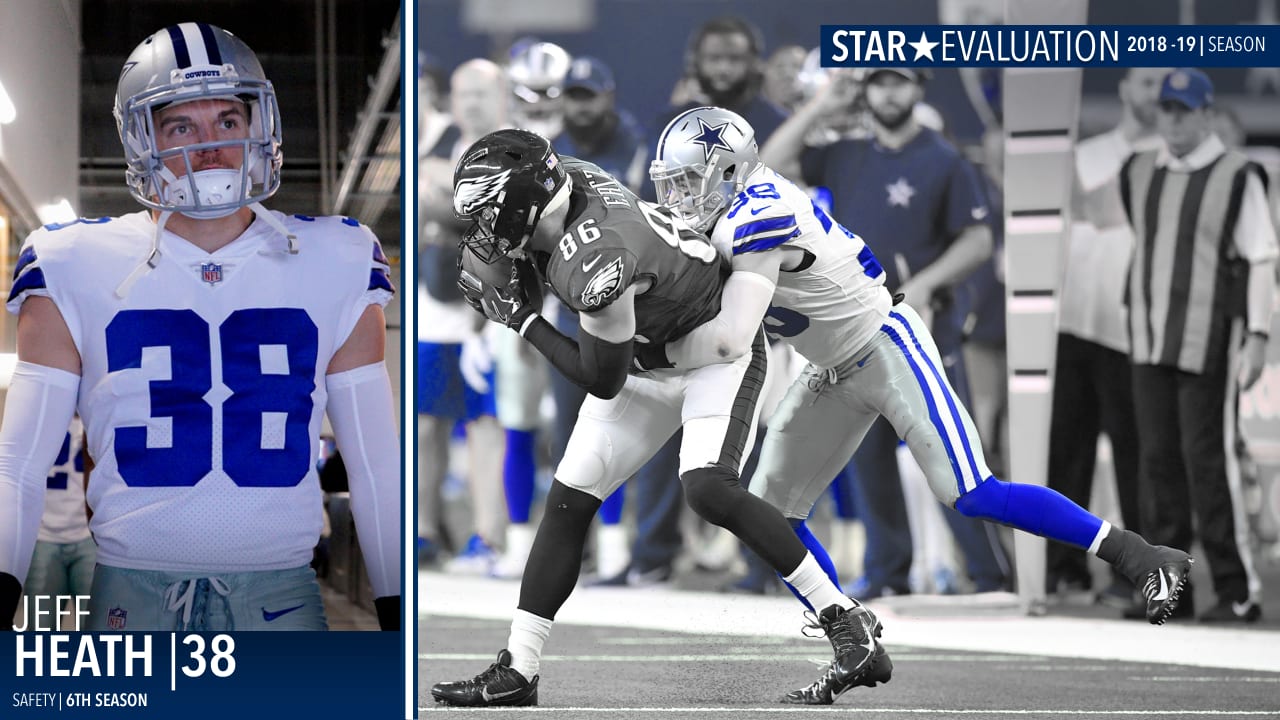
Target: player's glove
{"x":388,"y":612}
{"x":507,"y":305}
{"x":10,"y":595}
{"x":650,"y":356}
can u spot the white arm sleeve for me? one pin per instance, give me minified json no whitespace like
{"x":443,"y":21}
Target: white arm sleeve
{"x":364,"y":425}
{"x":37,"y":411}
{"x":729,"y":334}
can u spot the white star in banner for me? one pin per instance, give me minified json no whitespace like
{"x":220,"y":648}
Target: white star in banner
{"x":900,"y":193}
{"x":924,"y":48}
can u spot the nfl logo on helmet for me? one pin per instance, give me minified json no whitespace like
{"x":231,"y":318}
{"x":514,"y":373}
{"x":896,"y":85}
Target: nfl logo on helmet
{"x":211,"y":272}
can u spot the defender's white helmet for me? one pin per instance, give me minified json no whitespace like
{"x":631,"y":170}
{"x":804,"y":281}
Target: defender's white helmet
{"x":537,"y":71}
{"x":179,"y":64}
{"x":704,"y":157}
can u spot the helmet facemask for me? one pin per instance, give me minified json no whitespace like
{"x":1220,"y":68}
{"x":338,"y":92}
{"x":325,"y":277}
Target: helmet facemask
{"x":216,"y":192}
{"x":691,"y":193}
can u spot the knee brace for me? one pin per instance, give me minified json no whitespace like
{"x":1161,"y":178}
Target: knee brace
{"x":712,"y":492}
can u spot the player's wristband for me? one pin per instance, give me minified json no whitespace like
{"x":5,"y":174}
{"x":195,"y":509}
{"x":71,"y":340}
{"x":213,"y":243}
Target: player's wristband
{"x":10,"y":594}
{"x":388,"y":612}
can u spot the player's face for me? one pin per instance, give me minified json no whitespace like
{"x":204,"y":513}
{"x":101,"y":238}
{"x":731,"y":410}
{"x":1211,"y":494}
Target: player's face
{"x":1181,"y":127}
{"x":892,"y":98}
{"x":203,"y":121}
{"x":1140,"y":93}
{"x":723,"y":63}
{"x":584,"y":108}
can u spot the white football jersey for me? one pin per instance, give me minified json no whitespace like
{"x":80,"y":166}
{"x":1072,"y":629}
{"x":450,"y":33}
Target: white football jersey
{"x":830,"y":305}
{"x":202,"y":390}
{"x":64,"y":519}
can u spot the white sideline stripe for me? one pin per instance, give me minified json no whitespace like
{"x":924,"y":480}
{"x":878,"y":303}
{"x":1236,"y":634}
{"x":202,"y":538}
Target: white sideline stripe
{"x":738,"y":615}
{"x":845,"y":710}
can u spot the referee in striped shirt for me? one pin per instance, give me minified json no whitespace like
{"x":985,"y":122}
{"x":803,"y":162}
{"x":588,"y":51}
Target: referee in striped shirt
{"x":1201,"y":276}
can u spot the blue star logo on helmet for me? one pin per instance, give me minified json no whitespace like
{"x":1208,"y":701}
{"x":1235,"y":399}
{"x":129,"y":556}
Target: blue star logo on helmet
{"x":711,"y":137}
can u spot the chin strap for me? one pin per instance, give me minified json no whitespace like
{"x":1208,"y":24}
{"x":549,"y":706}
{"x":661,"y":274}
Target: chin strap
{"x":153,"y":258}
{"x":278,"y":226}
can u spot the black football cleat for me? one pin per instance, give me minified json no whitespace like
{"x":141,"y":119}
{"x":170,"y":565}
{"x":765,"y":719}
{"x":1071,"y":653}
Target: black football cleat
{"x":1163,"y":585}
{"x":500,"y":685}
{"x":819,"y":692}
{"x":852,"y":636}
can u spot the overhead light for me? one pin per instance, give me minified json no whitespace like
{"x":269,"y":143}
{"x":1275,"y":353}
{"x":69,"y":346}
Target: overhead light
{"x":58,"y":212}
{"x":8,"y":113}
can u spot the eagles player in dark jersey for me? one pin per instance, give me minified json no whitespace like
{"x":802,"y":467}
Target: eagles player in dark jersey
{"x":635,"y":274}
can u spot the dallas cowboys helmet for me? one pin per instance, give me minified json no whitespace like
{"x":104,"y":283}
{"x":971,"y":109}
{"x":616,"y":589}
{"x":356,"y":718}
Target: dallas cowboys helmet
{"x":504,"y":183}
{"x":179,"y":64}
{"x":537,"y":71}
{"x":704,"y":157}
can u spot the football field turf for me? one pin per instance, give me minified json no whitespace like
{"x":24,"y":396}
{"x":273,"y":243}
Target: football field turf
{"x":661,"y":653}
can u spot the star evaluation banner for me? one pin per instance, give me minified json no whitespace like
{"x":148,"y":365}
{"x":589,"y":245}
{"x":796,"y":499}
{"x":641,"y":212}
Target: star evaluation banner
{"x":1060,"y":46}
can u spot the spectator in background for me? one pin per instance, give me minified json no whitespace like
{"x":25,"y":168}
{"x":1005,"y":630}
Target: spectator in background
{"x":724,"y":61}
{"x":595,"y":128}
{"x":782,"y":78}
{"x":1092,"y":389}
{"x":924,"y":205}
{"x":62,"y":563}
{"x":1202,"y":278}
{"x":453,"y":357}
{"x":536,"y":71}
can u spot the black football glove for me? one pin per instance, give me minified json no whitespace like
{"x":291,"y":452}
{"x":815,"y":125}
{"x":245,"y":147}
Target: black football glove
{"x":507,"y":305}
{"x":388,"y":612}
{"x":10,"y":595}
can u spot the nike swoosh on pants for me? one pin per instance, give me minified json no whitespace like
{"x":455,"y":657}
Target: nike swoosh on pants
{"x":269,"y":616}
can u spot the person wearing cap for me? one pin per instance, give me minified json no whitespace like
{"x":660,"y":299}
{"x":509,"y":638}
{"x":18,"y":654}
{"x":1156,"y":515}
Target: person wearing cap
{"x":925,"y":206}
{"x":595,"y":129}
{"x":1200,"y":292}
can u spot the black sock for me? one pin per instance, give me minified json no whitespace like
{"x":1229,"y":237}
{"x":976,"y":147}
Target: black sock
{"x":1123,"y":549}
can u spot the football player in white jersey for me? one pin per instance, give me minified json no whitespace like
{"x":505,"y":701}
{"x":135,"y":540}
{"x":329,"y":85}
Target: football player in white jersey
{"x":62,"y":563}
{"x":819,"y":286}
{"x":202,"y":341}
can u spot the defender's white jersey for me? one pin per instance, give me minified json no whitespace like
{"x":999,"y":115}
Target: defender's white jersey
{"x":830,"y":305}
{"x":64,"y":519}
{"x":203,"y":389}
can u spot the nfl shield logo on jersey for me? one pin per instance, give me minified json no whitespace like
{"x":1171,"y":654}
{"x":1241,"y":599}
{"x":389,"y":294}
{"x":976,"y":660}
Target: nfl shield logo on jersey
{"x":211,"y":272}
{"x":116,"y":618}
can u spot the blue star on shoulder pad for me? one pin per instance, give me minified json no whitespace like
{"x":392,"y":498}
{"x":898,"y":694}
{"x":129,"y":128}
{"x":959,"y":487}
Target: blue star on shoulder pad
{"x":711,"y":137}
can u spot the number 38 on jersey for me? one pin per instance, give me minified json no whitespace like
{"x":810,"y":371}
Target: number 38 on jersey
{"x":236,"y":397}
